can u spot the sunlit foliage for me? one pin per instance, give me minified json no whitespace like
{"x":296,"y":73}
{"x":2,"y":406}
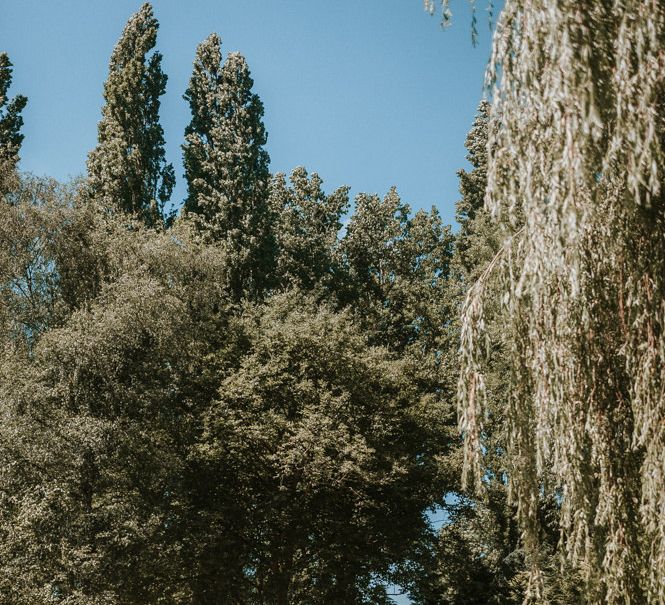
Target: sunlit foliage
{"x":575,"y":172}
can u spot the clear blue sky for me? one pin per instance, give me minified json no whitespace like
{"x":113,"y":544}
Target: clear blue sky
{"x":368,"y":93}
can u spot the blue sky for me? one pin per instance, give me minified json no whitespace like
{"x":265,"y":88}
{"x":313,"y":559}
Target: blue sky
{"x":368,"y":93}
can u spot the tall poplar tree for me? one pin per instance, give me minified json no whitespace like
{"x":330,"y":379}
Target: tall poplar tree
{"x":11,"y":121}
{"x":226,"y":166}
{"x":127,"y":170}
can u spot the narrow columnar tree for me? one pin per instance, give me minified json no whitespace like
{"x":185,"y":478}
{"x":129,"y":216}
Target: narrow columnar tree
{"x":478,"y":239}
{"x":576,"y":156}
{"x":127,"y":170}
{"x":10,"y":121}
{"x":226,"y":166}
{"x":477,"y":556}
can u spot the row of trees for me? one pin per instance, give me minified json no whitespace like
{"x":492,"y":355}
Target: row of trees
{"x":239,"y":404}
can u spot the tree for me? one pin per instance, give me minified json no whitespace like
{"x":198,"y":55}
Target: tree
{"x":100,"y":413}
{"x":307,"y":229}
{"x":226,"y":166}
{"x":11,"y":122}
{"x":479,"y":238}
{"x":127,"y":170}
{"x":334,"y":454}
{"x":576,"y":156}
{"x":398,"y":268}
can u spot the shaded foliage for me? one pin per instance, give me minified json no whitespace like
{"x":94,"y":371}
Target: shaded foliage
{"x":159,"y":445}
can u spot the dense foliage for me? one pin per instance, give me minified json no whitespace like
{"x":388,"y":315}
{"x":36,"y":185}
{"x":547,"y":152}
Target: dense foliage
{"x":240,"y":404}
{"x":575,"y":182}
{"x":253,"y":401}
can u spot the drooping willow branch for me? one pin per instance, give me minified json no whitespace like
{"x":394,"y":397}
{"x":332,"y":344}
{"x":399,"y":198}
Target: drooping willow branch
{"x":576,"y":157}
{"x":474,"y":346}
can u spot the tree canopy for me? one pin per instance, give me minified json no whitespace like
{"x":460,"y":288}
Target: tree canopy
{"x":243,"y":403}
{"x":253,"y":400}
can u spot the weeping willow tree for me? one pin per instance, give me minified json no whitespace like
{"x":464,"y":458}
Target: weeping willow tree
{"x":575,"y":179}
